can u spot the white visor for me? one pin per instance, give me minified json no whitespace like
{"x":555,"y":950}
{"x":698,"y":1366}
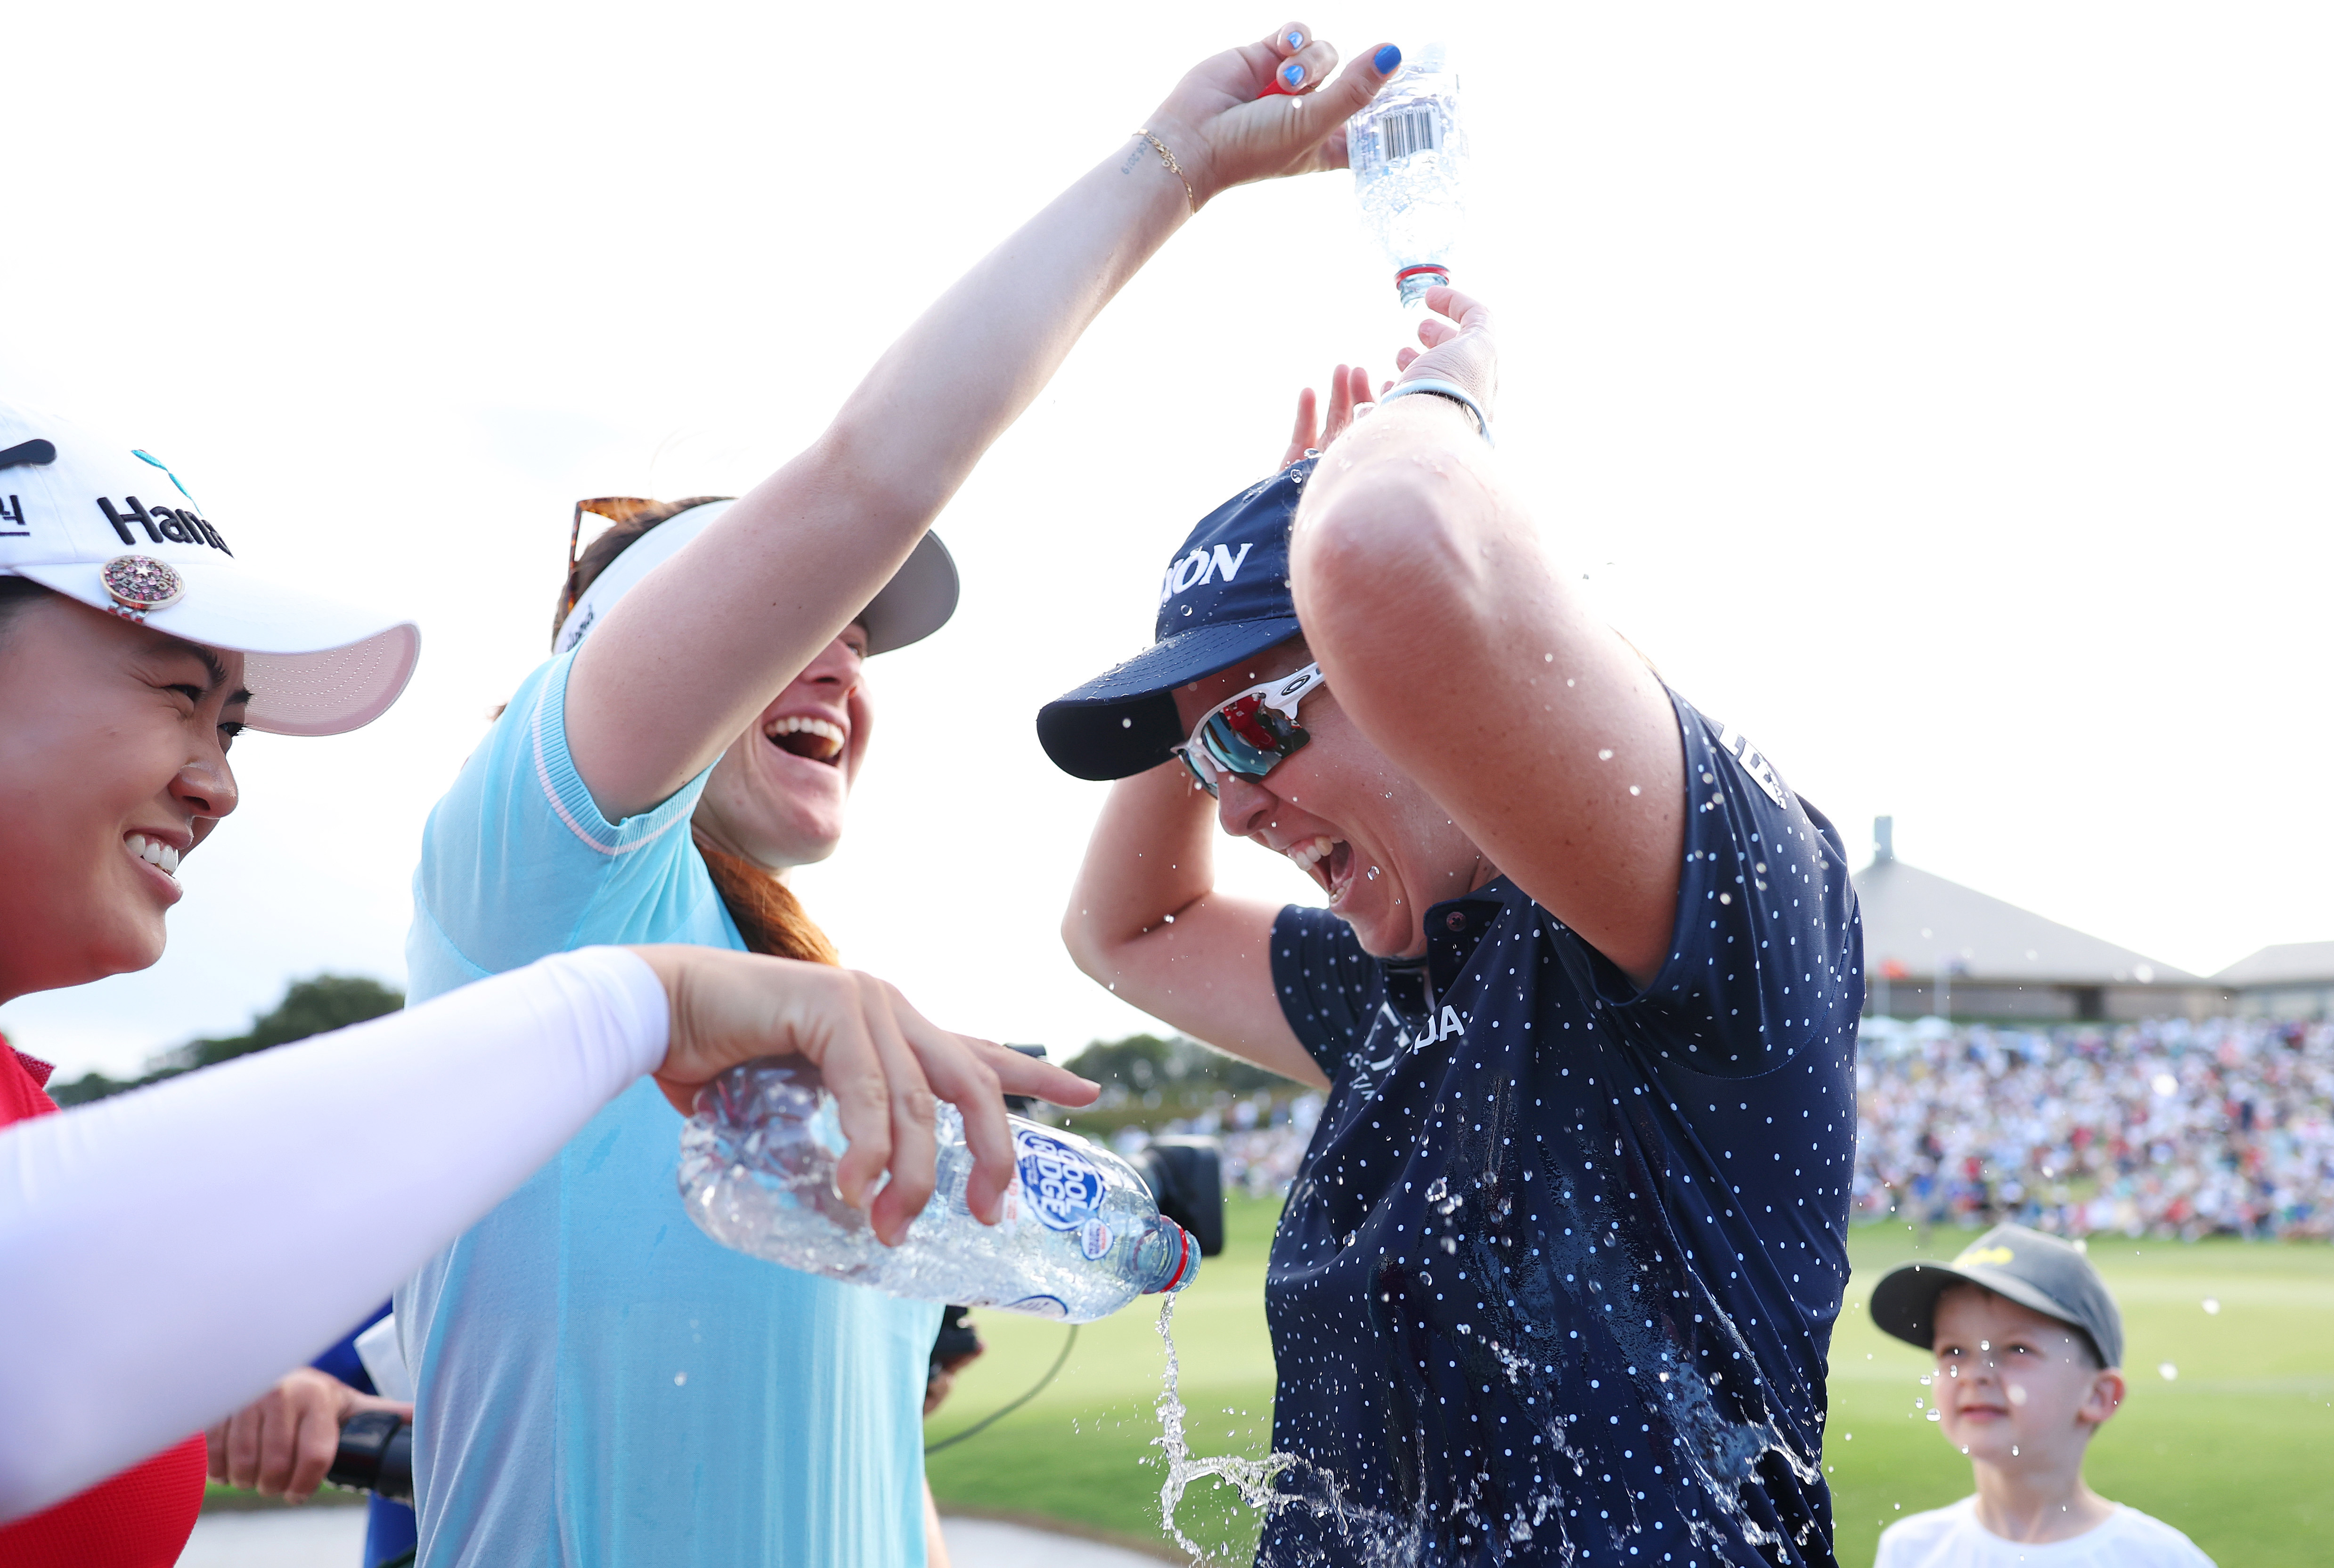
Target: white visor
{"x":916,"y":602}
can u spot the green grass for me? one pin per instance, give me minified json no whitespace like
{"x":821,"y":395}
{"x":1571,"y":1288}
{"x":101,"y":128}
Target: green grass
{"x":2238,"y":1451}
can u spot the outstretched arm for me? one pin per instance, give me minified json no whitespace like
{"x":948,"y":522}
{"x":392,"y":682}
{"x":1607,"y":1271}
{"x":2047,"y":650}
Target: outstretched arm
{"x":691,"y":655}
{"x":1419,"y":579}
{"x":176,"y":1194}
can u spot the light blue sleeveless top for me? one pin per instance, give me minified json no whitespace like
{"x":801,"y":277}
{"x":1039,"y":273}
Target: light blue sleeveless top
{"x":599,"y":1385}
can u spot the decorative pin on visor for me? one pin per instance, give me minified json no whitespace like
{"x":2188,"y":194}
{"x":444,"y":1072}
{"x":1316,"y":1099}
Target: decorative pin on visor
{"x":140,"y":585}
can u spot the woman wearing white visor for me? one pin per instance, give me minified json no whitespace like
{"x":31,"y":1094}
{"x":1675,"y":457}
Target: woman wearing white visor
{"x":156,"y":1269}
{"x":597,"y":1383}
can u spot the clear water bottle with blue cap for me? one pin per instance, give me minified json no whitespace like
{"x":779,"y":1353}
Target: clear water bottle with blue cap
{"x":1408,"y":149}
{"x":1081,"y":1236}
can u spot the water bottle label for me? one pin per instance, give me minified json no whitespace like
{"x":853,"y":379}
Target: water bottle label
{"x":1093,"y":1238}
{"x":1062,"y":1186}
{"x":1036,"y":1306}
{"x":1396,"y":134}
{"x":1414,"y":129}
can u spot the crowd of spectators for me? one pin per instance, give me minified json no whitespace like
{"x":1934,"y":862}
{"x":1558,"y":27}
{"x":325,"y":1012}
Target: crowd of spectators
{"x":2167,"y":1128}
{"x":1263,"y":1135}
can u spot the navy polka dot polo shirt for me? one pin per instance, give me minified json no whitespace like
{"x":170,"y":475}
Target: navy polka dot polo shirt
{"x":1557,"y":1278}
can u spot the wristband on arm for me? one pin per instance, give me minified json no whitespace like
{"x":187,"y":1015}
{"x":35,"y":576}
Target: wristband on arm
{"x":1457,"y":394}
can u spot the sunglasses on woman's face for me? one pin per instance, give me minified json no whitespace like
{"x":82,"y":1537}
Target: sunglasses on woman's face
{"x":1253,"y":733}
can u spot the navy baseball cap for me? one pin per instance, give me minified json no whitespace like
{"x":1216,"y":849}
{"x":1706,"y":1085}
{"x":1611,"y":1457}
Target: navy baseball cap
{"x":1225,"y":597}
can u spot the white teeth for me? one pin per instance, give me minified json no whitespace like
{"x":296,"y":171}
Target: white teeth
{"x":1311,"y":854}
{"x":153,"y":852}
{"x":798,"y":725}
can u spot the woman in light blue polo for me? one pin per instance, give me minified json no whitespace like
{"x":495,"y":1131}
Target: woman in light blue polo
{"x":597,"y":1382}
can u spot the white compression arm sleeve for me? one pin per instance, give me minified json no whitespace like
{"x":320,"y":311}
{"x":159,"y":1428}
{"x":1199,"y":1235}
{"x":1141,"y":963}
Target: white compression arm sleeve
{"x":166,"y":1255}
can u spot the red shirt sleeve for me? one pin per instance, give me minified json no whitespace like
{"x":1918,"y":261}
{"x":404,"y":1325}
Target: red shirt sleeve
{"x":140,"y":1518}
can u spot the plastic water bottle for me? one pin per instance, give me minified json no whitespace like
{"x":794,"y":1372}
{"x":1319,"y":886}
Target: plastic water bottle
{"x":1081,"y":1236}
{"x":1408,"y":149}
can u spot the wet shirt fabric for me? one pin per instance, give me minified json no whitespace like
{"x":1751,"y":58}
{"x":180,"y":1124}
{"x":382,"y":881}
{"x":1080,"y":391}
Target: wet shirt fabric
{"x":1557,"y":1278}
{"x":598,"y":1383}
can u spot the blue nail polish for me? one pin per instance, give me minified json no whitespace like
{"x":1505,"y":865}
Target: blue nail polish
{"x":1292,"y":74}
{"x":1388,"y":58}
{"x":1297,"y":41}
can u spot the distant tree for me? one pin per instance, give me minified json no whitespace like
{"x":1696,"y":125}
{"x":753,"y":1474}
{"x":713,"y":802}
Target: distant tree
{"x":312,"y":1006}
{"x":1142,"y":1062}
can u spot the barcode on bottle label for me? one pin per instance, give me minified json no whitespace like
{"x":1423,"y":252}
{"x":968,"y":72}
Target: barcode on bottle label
{"x":1411,"y":131}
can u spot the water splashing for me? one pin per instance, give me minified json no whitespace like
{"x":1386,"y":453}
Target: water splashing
{"x":1252,"y":1479}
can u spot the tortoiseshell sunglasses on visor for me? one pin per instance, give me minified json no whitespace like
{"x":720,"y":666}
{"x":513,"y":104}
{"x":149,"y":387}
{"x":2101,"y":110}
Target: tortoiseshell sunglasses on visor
{"x":1253,"y":733}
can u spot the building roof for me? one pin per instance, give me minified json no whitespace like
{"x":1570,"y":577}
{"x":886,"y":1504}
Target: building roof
{"x":1917,"y":918}
{"x":2286,"y":964}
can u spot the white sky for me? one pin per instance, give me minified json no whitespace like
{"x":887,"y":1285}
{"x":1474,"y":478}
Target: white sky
{"x":1940,"y":395}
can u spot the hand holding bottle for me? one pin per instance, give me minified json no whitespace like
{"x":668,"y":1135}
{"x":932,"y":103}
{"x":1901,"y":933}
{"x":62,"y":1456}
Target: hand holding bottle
{"x":884,"y":1063}
{"x":1223,"y":134}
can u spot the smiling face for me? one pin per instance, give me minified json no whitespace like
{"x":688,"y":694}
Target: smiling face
{"x":2014,"y":1387}
{"x":1374,"y":841}
{"x":776,"y":796}
{"x":113,"y":742}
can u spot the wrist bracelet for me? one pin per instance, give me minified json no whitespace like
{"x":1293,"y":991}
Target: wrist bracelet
{"x":1457,"y":394}
{"x":1174,"y":168}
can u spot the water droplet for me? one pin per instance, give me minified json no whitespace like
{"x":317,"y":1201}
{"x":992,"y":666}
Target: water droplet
{"x":2213,"y":1305}
{"x":1605,"y":755}
{"x":2166,"y":1370}
{"x":679,"y":1379}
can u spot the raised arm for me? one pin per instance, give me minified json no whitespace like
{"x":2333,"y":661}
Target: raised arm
{"x":1145,"y":921}
{"x":1461,"y":651}
{"x":686,"y":659}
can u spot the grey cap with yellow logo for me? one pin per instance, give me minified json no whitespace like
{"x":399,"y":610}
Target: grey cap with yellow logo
{"x":2038,"y":1272}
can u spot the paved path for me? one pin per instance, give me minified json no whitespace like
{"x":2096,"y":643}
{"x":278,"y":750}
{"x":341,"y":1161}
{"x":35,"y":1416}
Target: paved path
{"x":334,"y":1537}
{"x":986,"y":1544}
{"x":311,"y":1537}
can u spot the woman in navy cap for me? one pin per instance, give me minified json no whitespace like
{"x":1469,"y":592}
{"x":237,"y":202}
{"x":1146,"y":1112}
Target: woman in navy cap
{"x":597,"y":1382}
{"x":1555,"y":1276}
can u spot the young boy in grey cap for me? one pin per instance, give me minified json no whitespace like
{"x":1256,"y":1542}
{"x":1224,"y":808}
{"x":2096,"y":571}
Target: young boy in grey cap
{"x":2028,"y":1343}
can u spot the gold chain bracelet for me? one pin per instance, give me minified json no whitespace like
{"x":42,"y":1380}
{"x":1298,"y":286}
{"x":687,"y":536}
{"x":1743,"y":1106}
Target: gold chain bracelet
{"x":1173,"y":168}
